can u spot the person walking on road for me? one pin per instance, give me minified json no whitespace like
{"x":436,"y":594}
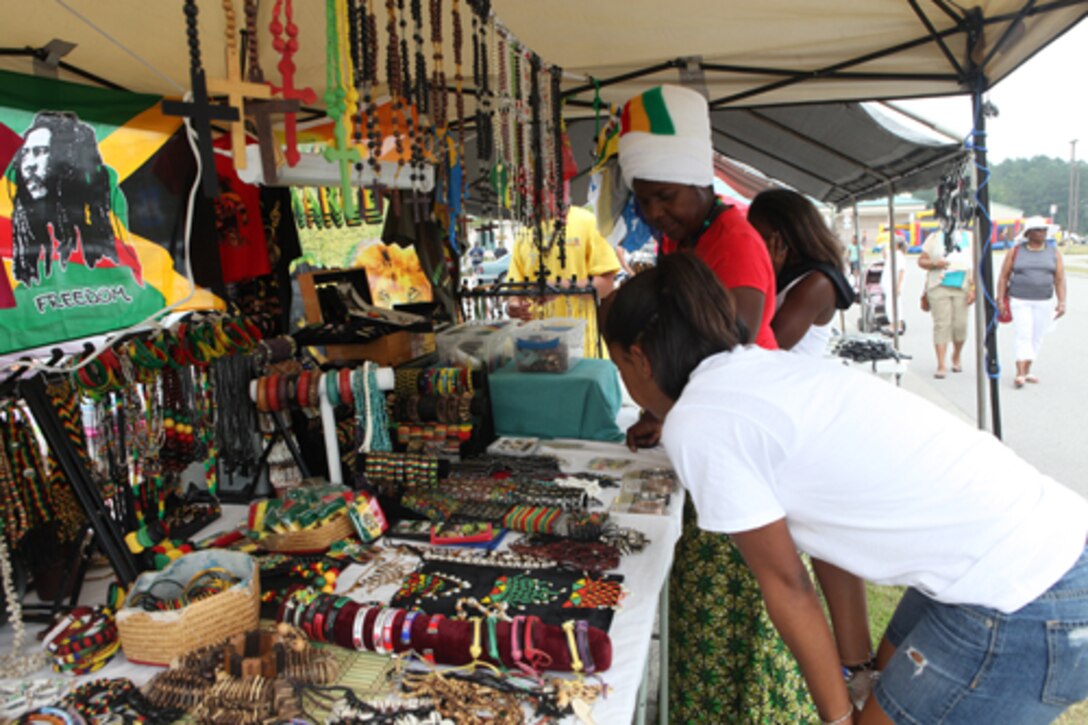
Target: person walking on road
{"x":1032,"y":278}
{"x":949,"y":290}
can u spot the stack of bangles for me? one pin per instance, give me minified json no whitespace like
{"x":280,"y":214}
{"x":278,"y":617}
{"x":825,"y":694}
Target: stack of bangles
{"x":525,"y":644}
{"x":83,"y":641}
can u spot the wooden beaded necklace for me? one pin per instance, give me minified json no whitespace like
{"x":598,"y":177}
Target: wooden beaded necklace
{"x":236,"y":89}
{"x":439,"y":102}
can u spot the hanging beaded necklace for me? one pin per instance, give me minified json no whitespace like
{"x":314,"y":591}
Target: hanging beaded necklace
{"x":235,"y":88}
{"x":261,"y":110}
{"x":339,"y":97}
{"x":200,"y":110}
{"x":556,"y":159}
{"x":368,"y":52}
{"x":15,"y":664}
{"x":459,"y":82}
{"x":420,"y":133}
{"x":500,"y":173}
{"x":16,"y":522}
{"x":481,"y":78}
{"x":395,"y":78}
{"x":439,"y":101}
{"x":287,"y":45}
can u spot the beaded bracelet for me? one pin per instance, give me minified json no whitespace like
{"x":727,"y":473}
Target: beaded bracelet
{"x":537,"y":658}
{"x":493,"y":642}
{"x":432,"y":634}
{"x":575,"y":660}
{"x":406,"y":628}
{"x":357,"y":628}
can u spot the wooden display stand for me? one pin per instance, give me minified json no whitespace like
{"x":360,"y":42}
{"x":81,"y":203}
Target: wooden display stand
{"x":393,"y":349}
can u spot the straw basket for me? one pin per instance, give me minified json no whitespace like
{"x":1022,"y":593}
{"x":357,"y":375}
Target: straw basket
{"x":306,"y":541}
{"x":159,"y":637}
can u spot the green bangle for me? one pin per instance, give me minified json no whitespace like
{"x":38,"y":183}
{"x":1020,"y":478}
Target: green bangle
{"x":493,"y":643}
{"x":332,"y":388}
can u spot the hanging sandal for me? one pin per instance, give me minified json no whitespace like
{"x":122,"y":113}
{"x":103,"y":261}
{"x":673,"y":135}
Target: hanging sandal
{"x":1018,"y":381}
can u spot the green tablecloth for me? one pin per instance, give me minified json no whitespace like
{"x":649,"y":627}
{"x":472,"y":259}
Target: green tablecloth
{"x":580,"y":403}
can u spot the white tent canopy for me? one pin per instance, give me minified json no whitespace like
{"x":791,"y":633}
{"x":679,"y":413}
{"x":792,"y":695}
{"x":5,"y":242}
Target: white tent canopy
{"x":750,"y":53}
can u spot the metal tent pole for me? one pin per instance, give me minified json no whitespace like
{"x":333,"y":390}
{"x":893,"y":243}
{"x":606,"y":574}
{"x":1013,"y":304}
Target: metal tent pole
{"x":892,"y":249}
{"x":977,"y":247}
{"x":985,"y":267}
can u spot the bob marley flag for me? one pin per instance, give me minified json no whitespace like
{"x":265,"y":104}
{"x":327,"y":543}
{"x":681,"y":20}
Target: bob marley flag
{"x":92,"y":214}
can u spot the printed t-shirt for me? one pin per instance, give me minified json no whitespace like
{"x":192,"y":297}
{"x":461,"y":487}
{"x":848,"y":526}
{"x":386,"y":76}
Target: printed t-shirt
{"x":587,"y":254}
{"x":870,"y":478}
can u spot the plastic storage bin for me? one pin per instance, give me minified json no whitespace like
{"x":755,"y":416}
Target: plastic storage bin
{"x":549,"y":346}
{"x":478,"y":345}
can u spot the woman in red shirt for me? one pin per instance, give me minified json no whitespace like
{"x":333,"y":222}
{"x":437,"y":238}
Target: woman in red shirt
{"x":726,"y":664}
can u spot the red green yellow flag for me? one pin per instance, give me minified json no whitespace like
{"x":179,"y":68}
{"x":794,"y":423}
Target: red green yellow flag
{"x":92,"y":214}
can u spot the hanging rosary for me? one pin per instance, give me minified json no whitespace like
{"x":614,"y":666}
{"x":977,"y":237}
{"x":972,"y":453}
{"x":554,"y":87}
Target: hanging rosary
{"x":337,"y":101}
{"x":236,"y":89}
{"x":287,"y":47}
{"x":439,"y":101}
{"x":261,"y":110}
{"x":199,"y":110}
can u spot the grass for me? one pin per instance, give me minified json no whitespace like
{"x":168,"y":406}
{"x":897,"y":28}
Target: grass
{"x":882,"y":603}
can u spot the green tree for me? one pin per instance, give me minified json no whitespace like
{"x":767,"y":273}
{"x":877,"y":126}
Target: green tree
{"x":1037,"y":183}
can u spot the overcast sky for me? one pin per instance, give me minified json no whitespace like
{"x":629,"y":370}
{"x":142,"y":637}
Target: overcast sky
{"x":1042,"y":105}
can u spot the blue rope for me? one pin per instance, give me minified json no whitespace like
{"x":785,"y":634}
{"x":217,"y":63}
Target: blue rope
{"x":975,"y":141}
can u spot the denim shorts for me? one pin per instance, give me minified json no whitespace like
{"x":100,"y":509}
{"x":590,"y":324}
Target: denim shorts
{"x":969,"y":664}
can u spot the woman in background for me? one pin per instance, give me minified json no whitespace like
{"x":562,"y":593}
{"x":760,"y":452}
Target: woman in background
{"x":949,"y":290}
{"x":1032,"y":276}
{"x":807,"y":260}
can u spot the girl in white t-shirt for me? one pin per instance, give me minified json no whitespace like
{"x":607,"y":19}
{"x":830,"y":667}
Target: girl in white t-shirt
{"x":782,"y":453}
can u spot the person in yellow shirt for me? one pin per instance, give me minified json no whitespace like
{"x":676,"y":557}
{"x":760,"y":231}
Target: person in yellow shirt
{"x":589,"y":256}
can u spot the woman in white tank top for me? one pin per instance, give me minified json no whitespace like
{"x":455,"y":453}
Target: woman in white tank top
{"x":808,"y":264}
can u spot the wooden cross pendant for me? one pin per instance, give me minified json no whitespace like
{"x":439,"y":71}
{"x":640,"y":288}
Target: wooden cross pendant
{"x":202,"y":114}
{"x":261,"y":111}
{"x":237,"y":90}
{"x":421,"y":206}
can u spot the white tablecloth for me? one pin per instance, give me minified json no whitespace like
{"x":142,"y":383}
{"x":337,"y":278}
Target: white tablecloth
{"x":644,"y":574}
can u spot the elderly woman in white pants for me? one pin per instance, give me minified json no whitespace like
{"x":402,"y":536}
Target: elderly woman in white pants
{"x":1032,"y":288}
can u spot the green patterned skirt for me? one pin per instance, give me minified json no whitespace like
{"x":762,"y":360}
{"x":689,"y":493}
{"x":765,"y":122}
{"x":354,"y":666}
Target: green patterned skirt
{"x":727,"y":663}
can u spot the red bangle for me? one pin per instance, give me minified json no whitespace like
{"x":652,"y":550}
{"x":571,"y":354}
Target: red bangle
{"x":538,"y":658}
{"x":302,"y":389}
{"x":262,"y":394}
{"x":272,"y":392}
{"x":314,"y":397}
{"x":346,"y":396}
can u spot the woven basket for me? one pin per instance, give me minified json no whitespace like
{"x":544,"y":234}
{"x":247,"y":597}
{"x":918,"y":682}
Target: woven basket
{"x":157,"y":638}
{"x":307,"y":541}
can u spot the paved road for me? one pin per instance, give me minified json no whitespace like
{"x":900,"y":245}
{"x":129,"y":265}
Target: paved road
{"x":1045,"y":423}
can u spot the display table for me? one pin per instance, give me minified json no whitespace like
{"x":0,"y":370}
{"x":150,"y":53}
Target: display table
{"x":645,"y":574}
{"x":580,"y":403}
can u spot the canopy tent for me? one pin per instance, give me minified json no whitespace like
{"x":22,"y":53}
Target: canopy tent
{"x":748,"y":54}
{"x":745,"y":55}
{"x":837,"y":153}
